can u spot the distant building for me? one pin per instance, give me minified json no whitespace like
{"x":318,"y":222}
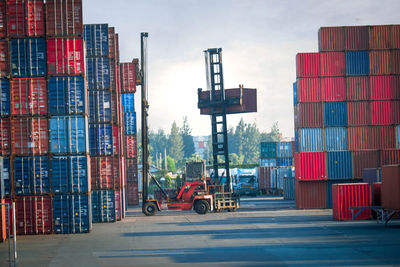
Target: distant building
{"x":201,"y":146}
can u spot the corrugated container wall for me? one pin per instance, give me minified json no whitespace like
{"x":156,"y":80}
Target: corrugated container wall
{"x":345,"y":196}
{"x":96,"y":37}
{"x":28,"y":57}
{"x":335,"y":138}
{"x":339,"y":165}
{"x":25,"y":18}
{"x":308,"y":65}
{"x":310,"y":166}
{"x":28,"y":96}
{"x":358,"y":113}
{"x":391,"y":187}
{"x":333,"y":89}
{"x":98,"y":73}
{"x":356,"y":38}
{"x":34,"y":215}
{"x":335,"y":114}
{"x":64,"y":18}
{"x":357,"y":88}
{"x":29,"y":135}
{"x":329,"y":184}
{"x":3,"y":20}
{"x":390,"y":156}
{"x":331,"y":39}
{"x":4,"y":65}
{"x":382,"y":87}
{"x":100,"y":139}
{"x":379,"y":37}
{"x":310,"y":195}
{"x":359,"y":138}
{"x":309,"y":115}
{"x":379,"y":62}
{"x":128,"y":78}
{"x":5,"y":181}
{"x":5,"y":137}
{"x":357,"y":63}
{"x":310,"y":139}
{"x":31,"y":175}
{"x":288,"y":188}
{"x":60,"y":64}
{"x":332,"y":64}
{"x":103,"y":206}
{"x":4,"y":97}
{"x":364,"y":159}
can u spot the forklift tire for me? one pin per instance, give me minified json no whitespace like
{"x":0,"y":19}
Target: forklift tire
{"x":150,"y":209}
{"x":201,"y":206}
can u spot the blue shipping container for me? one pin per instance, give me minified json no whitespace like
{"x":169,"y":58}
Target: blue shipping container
{"x":69,"y":174}
{"x":5,"y":181}
{"x":66,"y":95}
{"x":310,"y":139}
{"x":103,"y":206}
{"x":68,"y":134}
{"x":4,"y":97}
{"x":28,"y":57}
{"x":268,"y":150}
{"x":398,"y":136}
{"x":274,"y":180}
{"x":296,"y":141}
{"x":284,"y":162}
{"x":288,"y":188}
{"x":96,"y":40}
{"x":72,"y":213}
{"x":329,"y":184}
{"x":100,"y":139}
{"x":128,"y":102}
{"x":335,"y":114}
{"x":294,"y":93}
{"x":284,"y":150}
{"x":268,"y":162}
{"x":130,"y":123}
{"x":98,"y":73}
{"x":335,"y":138}
{"x":357,"y":63}
{"x":99,"y":106}
{"x":31,"y":175}
{"x":339,"y":165}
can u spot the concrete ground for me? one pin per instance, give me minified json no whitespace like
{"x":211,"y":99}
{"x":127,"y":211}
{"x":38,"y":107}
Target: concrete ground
{"x":264,"y":232}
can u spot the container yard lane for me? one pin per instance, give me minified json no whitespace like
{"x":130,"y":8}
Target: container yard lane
{"x":265,"y":231}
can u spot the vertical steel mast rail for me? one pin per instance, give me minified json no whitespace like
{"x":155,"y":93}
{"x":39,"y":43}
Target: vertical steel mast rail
{"x":145,"y":107}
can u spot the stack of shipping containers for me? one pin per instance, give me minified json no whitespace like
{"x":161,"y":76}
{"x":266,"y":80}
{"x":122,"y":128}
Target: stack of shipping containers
{"x":347,"y":109}
{"x":128,"y":88}
{"x":276,"y":174}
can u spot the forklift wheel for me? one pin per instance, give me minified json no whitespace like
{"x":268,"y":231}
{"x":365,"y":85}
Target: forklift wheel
{"x":201,"y":206}
{"x":150,"y":209}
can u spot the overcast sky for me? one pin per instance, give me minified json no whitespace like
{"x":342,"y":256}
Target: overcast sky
{"x":259,"y":39}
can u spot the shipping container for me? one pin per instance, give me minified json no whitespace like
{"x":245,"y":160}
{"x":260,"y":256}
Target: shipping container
{"x":308,"y":65}
{"x":357,"y":63}
{"x":35,"y":18}
{"x":372,"y":175}
{"x":268,"y":150}
{"x":72,"y":213}
{"x":68,"y":134}
{"x":116,"y":140}
{"x":4,"y":64}
{"x":64,"y":18}
{"x":118,"y":205}
{"x":5,"y":135}
{"x":284,"y":162}
{"x":65,"y":56}
{"x":276,"y":182}
{"x":100,"y":139}
{"x":284,"y":150}
{"x":395,"y":38}
{"x":382,"y":112}
{"x":359,"y":138}
{"x":268,"y":162}
{"x":391,"y":187}
{"x":103,"y":206}
{"x":331,"y":39}
{"x":396,"y":86}
{"x":310,"y":139}
{"x":310,"y":115}
{"x":329,"y":184}
{"x":294,"y":93}
{"x":310,"y":166}
{"x":3,"y":19}
{"x":130,"y":123}
{"x":379,"y":37}
{"x":357,"y":88}
{"x":98,"y":73}
{"x":29,"y":135}
{"x":288,"y":188}
{"x":28,"y":57}
{"x":16,"y":19}
{"x":398,"y":136}
{"x":96,"y":39}
{"x":5,"y":179}
{"x":345,"y":196}
{"x":335,"y":138}
{"x":396,"y":112}
{"x":339,"y":165}
{"x":67,"y":95}
{"x":131,"y":146}
{"x":356,"y":38}
{"x":132,"y":171}
{"x":390,"y":156}
{"x":128,"y":102}
{"x":128,"y":78}
{"x":112,"y":43}
{"x":105,"y":173}
{"x":333,"y":89}
{"x":395,"y":61}
{"x":376,"y":195}
{"x":31,"y":175}
{"x":3,"y":211}
{"x":116,"y":109}
{"x":310,"y":194}
{"x":363,"y":159}
{"x":132,"y":193}
{"x":70,"y":174}
{"x":335,"y":114}
{"x":99,"y":106}
{"x":28,"y":96}
{"x":332,"y":64}
{"x":358,"y":113}
{"x":379,"y":62}
{"x":264,"y":178}
{"x":34,"y":215}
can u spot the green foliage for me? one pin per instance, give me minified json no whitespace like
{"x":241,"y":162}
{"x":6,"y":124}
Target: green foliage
{"x":175,"y":144}
{"x":178,"y":181}
{"x":187,"y":138}
{"x":171,"y":164}
{"x":236,"y":159}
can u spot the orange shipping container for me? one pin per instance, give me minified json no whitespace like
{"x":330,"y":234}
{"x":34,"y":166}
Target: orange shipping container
{"x":391,"y":187}
{"x":383,"y":137}
{"x":359,"y":138}
{"x":379,"y":62}
{"x":380,"y":37}
{"x":29,"y":136}
{"x":395,"y":37}
{"x":364,"y":159}
{"x":357,"y":88}
{"x":395,"y":61}
{"x":358,"y":113}
{"x":356,"y":38}
{"x":331,"y":39}
{"x":310,"y":194}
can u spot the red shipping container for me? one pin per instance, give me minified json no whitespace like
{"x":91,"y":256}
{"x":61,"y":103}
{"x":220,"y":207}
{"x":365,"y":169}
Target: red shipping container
{"x":16,"y":23}
{"x":5,"y":135}
{"x":65,"y":56}
{"x":395,"y":39}
{"x":331,"y":39}
{"x":308,"y":65}
{"x":3,"y":221}
{"x":4,"y":68}
{"x":310,"y":166}
{"x":310,"y":194}
{"x":132,"y":194}
{"x":131,"y":171}
{"x":309,"y":90}
{"x":390,"y":156}
{"x":380,"y":37}
{"x":35,"y":18}
{"x":383,"y":137}
{"x":364,"y":159}
{"x":379,"y":62}
{"x":332,"y":64}
{"x":264,"y":178}
{"x":358,"y":113}
{"x":3,"y":19}
{"x":345,"y":196}
{"x":382,"y":87}
{"x":309,"y":115}
{"x":396,"y":86}
{"x":333,"y":89}
{"x":382,"y":112}
{"x":359,"y":138}
{"x":122,"y":171}
{"x":34,"y":215}
{"x":357,"y":88}
{"x":396,"y":112}
{"x":131,"y":146}
{"x":64,"y":18}
{"x":117,"y":77}
{"x":376,"y":194}
{"x":28,"y":96}
{"x":118,"y":205}
{"x":29,"y":136}
{"x":395,"y":61}
{"x":356,"y":38}
{"x":128,"y":78}
{"x":116,"y":145}
{"x":105,"y":173}
{"x":391,"y":187}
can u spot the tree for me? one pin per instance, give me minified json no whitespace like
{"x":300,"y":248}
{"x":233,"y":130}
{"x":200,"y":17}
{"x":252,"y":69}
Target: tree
{"x":175,"y":144}
{"x":251,"y":144}
{"x":187,"y":138}
{"x":159,"y":143}
{"x":275,"y":134}
{"x":235,"y":159}
{"x":171,"y":164}
{"x":239,"y":137}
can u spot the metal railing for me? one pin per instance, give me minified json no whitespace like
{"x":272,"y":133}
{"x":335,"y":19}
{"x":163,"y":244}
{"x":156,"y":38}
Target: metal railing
{"x":12,"y":257}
